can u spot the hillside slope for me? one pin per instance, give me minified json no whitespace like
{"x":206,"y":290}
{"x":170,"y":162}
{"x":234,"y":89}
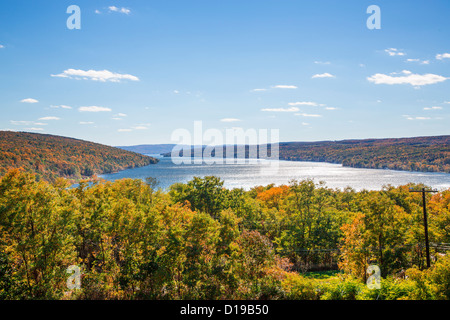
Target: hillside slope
{"x":426,"y":154}
{"x":54,"y":156}
{"x":149,"y":148}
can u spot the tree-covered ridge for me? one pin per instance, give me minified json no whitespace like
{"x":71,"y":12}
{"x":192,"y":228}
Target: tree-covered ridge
{"x":51,"y":156}
{"x":202,"y":241}
{"x":429,"y":154}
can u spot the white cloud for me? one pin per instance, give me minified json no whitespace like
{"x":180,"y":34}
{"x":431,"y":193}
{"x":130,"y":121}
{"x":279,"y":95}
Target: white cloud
{"x":26,"y":123}
{"x":230,"y":120}
{"x":100,"y":75}
{"x":291,"y":109}
{"x":140,"y":128}
{"x":407,"y":77}
{"x":61,"y":106}
{"x":97,"y":12}
{"x":94,"y":109}
{"x":124,"y":130}
{"x":394,"y":52}
{"x":308,"y":115}
{"x":121,"y":115}
{"x":21,"y":122}
{"x":48,"y":118}
{"x":418,"y":60}
{"x":280,"y":86}
{"x":305,"y":124}
{"x":323,"y":75}
{"x":305,"y":103}
{"x":86,"y":122}
{"x":442,"y":56}
{"x":258,"y":90}
{"x":433,"y":108}
{"x":330,"y":108}
{"x":121,"y":10}
{"x":35,"y":129}
{"x":29,"y":100}
{"x":408,"y":117}
{"x":1,"y":46}
{"x":322,"y":62}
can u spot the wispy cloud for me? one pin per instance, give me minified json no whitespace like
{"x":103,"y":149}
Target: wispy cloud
{"x":442,"y":56}
{"x":407,"y":77}
{"x":322,"y":62}
{"x":291,"y":109}
{"x":21,"y":122}
{"x":100,"y":75}
{"x":433,"y":108}
{"x":258,"y":90}
{"x":49,"y":118}
{"x":119,"y":116}
{"x":230,"y":120}
{"x":323,"y":75}
{"x":140,"y":128}
{"x":61,"y":106}
{"x":86,"y":122}
{"x":418,"y":60}
{"x":305,"y":103}
{"x":308,"y":115}
{"x":281,"y":86}
{"x":394,"y":52}
{"x":1,"y":46}
{"x":124,"y":130}
{"x":408,"y":117}
{"x":35,"y":129}
{"x":29,"y":100}
{"x":120,"y":10}
{"x":94,"y":109}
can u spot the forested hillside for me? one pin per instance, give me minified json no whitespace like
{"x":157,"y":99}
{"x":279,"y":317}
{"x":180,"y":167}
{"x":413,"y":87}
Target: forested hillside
{"x":430,"y":154}
{"x":202,"y":241}
{"x":427,"y":154}
{"x":51,"y":157}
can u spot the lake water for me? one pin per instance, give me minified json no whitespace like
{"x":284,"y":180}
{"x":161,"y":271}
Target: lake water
{"x":264,"y":172}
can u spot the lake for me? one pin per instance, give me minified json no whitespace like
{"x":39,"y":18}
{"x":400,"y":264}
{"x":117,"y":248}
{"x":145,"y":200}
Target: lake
{"x":263,"y":172}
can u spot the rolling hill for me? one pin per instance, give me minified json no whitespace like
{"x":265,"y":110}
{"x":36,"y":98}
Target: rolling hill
{"x":51,"y":156}
{"x":426,"y":154}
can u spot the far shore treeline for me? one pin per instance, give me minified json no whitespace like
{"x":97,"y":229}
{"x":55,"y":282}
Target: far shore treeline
{"x":426,"y":154}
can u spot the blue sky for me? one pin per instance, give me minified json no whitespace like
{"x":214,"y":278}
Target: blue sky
{"x":137,"y":70}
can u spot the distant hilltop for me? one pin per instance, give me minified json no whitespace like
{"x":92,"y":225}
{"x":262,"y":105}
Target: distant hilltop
{"x":150,"y":148}
{"x":427,"y":154}
{"x":50,"y":157}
